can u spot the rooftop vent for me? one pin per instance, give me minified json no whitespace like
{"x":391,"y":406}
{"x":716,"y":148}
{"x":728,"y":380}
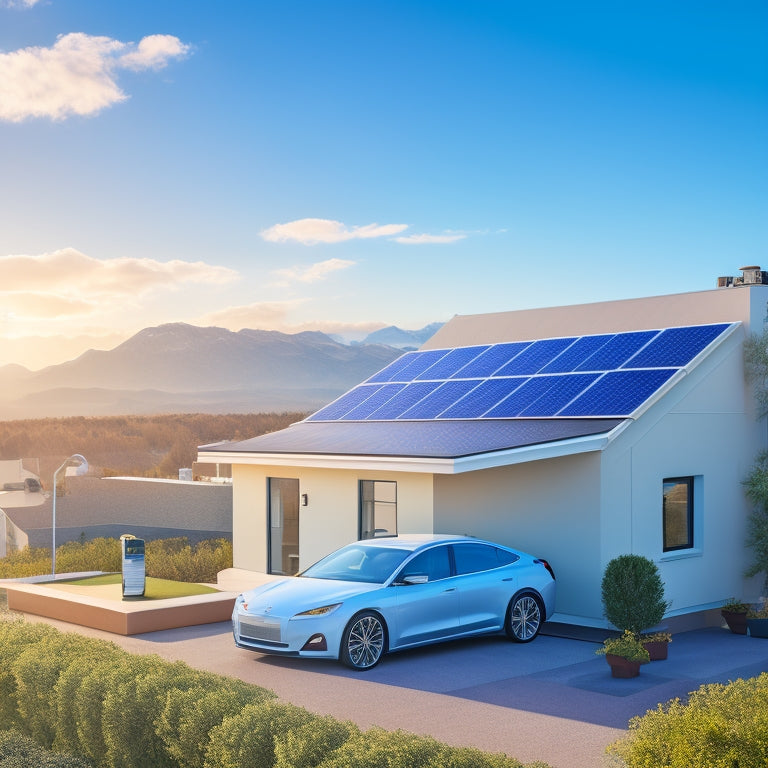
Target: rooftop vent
{"x":749,"y":276}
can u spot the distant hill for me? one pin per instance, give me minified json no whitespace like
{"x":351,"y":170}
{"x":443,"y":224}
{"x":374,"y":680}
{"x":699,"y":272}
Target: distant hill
{"x":177,"y":368}
{"x":393,"y":336}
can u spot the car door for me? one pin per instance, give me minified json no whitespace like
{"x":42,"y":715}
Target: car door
{"x":484,"y":585}
{"x":427,"y":610}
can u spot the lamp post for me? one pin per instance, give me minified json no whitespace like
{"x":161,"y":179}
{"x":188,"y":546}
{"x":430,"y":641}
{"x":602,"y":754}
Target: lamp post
{"x":75,"y":460}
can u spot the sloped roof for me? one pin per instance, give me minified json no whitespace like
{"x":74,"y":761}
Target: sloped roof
{"x":446,"y":405}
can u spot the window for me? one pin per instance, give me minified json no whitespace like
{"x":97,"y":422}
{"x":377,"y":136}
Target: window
{"x":434,"y":564}
{"x":473,"y":558}
{"x":678,"y":513}
{"x":378,"y":508}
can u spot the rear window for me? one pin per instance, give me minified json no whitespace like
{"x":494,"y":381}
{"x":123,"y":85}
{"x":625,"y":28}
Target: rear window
{"x":475,"y":557}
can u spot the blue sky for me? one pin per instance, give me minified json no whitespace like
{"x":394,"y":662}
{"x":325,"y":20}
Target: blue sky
{"x":341,"y":166}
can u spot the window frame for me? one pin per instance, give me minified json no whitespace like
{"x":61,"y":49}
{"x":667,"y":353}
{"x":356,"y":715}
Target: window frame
{"x":362,"y":528}
{"x":689,"y":546}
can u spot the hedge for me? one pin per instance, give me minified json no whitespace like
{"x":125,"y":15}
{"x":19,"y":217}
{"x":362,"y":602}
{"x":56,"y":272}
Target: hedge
{"x":721,"y":726}
{"x":112,"y":709}
{"x":18,"y":751}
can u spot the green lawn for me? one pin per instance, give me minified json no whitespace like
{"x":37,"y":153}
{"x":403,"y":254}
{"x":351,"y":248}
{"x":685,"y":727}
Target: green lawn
{"x":155,"y":589}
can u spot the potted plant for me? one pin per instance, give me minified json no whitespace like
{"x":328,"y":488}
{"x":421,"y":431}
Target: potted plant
{"x":735,"y":614}
{"x":657,"y":644}
{"x":633,"y":594}
{"x":757,"y":621}
{"x":624,"y":654}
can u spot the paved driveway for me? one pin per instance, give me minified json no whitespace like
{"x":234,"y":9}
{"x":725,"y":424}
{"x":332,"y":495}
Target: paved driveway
{"x":550,"y":700}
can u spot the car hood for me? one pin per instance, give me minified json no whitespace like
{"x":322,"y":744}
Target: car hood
{"x":296,"y":594}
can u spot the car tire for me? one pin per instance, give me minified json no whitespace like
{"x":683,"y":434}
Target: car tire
{"x":364,"y":641}
{"x":525,"y":616}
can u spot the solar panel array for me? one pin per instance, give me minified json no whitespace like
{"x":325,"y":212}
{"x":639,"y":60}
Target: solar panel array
{"x":606,"y":375}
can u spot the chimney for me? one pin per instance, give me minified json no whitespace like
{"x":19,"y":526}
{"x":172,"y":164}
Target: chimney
{"x":749,"y":276}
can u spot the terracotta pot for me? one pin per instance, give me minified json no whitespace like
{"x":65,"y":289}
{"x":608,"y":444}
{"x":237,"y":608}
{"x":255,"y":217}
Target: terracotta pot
{"x":737,"y":622}
{"x":621,"y":667}
{"x":757,"y":627}
{"x":657,"y":649}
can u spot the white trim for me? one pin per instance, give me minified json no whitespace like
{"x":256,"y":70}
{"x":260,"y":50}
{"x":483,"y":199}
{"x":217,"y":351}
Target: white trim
{"x":435,"y":466}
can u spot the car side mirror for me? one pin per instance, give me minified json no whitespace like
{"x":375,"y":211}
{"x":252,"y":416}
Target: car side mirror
{"x":416,"y":578}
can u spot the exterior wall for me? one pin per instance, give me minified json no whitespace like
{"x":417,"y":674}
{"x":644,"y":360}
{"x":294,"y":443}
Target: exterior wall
{"x":705,"y":428}
{"x":548,"y":508}
{"x":330,"y":518}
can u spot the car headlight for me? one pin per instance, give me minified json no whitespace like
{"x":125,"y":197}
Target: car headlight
{"x":322,"y":611}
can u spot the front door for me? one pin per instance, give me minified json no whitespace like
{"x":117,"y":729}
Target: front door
{"x":283,"y":525}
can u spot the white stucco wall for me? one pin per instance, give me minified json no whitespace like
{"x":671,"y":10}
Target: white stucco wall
{"x":549,"y":508}
{"x":706,"y":428}
{"x":330,"y":518}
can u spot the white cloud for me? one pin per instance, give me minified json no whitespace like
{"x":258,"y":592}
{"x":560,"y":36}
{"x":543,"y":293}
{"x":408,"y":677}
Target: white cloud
{"x":68,"y":282}
{"x":18,"y":3}
{"x":77,"y":76}
{"x":425,"y":239}
{"x":313,"y":273}
{"x":314,"y":231}
{"x":274,"y":316}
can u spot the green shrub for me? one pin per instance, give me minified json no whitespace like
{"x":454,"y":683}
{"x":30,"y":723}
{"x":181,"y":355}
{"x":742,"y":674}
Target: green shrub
{"x":721,"y":726}
{"x":633,"y":593}
{"x":247,"y":740}
{"x":309,"y":744}
{"x":16,"y":637}
{"x":80,"y":695}
{"x":173,"y":559}
{"x":18,"y":751}
{"x":37,"y":671}
{"x":190,"y":715}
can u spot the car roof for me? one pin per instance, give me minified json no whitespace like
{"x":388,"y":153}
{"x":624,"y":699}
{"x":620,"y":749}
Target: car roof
{"x":412,"y":541}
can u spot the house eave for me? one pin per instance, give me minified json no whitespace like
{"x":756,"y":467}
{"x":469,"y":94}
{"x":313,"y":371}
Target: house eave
{"x":429,"y":465}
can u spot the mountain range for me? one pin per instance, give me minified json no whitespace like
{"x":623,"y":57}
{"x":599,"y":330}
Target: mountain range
{"x":177,"y":368}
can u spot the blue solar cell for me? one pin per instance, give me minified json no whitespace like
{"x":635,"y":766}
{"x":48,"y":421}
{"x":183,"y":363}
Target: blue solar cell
{"x":619,"y":349}
{"x":618,"y":393}
{"x":532,"y":359}
{"x":563,"y":390}
{"x":491,"y":360}
{"x":482,"y":398}
{"x":573,"y":356}
{"x":376,"y":400}
{"x":443,"y":397}
{"x":388,"y":373}
{"x":403,"y":400}
{"x":345,"y":403}
{"x":419,"y":363}
{"x":446,"y":366}
{"x":675,"y":346}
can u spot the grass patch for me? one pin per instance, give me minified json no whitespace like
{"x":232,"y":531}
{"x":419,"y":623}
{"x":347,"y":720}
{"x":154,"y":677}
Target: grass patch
{"x":155,"y":589}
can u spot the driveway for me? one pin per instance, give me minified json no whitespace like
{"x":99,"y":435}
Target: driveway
{"x":552,"y":699}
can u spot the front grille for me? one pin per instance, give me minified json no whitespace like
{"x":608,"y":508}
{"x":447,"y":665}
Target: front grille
{"x":257,"y":628}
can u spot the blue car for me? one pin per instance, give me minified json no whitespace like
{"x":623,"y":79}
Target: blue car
{"x":381,"y":595}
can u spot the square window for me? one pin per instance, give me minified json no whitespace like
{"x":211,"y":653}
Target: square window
{"x":678,"y":513}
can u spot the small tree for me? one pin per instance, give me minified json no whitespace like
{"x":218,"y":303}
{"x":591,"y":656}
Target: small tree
{"x":633,"y":593}
{"x":756,"y":487}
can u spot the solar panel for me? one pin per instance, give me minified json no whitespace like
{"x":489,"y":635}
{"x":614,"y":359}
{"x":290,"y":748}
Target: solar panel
{"x":491,"y":360}
{"x":449,"y":364}
{"x":596,"y":376}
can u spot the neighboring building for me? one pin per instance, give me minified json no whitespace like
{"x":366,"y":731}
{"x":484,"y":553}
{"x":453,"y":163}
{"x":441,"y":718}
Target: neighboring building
{"x":575,"y":433}
{"x":150,"y":509}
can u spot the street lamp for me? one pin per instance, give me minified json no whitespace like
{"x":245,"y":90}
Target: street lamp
{"x":75,"y":460}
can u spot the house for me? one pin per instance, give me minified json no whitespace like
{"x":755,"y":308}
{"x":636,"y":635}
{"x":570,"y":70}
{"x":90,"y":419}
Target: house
{"x":575,"y":433}
{"x":149,"y":508}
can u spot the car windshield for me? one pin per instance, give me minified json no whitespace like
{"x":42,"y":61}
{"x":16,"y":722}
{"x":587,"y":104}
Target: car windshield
{"x":371,"y":565}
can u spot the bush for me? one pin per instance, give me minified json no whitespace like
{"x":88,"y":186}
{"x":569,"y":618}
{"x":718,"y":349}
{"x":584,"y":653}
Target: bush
{"x":173,"y":559}
{"x":633,"y":593}
{"x":18,"y":751}
{"x":721,"y":726}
